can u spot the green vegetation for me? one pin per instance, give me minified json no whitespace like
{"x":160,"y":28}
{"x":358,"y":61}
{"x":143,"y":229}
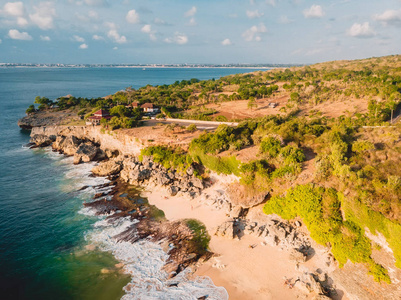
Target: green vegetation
{"x":168,"y":157}
{"x":30,"y":109}
{"x":319,"y":209}
{"x":192,"y":128}
{"x":200,"y":238}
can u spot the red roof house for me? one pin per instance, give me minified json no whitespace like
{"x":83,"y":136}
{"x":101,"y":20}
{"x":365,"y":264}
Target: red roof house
{"x":97,"y":116}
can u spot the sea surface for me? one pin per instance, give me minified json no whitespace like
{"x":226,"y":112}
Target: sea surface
{"x":46,"y":237}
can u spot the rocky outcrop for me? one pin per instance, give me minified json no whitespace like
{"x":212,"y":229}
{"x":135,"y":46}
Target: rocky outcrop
{"x":42,"y":140}
{"x":275,"y":232}
{"x":107,"y":168}
{"x":245,"y":196}
{"x":147,"y":172}
{"x":86,"y":152}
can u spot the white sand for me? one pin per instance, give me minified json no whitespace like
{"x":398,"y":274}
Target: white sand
{"x":246,"y":273}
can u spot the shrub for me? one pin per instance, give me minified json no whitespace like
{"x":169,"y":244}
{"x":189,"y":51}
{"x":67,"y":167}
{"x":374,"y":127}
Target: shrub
{"x":192,"y":128}
{"x":320,"y":210}
{"x":30,"y":109}
{"x":270,"y":146}
{"x":168,"y":157}
{"x":362,"y":146}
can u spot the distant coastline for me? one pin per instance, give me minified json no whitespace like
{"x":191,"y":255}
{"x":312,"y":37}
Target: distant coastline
{"x":206,"y":66}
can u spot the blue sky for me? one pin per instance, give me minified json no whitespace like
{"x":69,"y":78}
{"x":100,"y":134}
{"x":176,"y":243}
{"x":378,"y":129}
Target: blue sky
{"x":203,"y":31}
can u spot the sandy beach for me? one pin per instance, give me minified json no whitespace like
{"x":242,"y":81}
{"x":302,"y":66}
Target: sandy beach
{"x":257,"y":272}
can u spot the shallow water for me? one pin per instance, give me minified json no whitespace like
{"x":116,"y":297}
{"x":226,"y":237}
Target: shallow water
{"x":43,"y":230}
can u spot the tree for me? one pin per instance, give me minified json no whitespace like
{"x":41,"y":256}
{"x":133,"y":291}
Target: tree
{"x":252,"y":103}
{"x":120,"y":111}
{"x":30,"y":109}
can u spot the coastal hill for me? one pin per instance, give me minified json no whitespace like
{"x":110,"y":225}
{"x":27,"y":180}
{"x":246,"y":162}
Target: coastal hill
{"x":317,"y":145}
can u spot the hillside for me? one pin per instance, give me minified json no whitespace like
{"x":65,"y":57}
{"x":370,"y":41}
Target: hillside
{"x":325,"y":153}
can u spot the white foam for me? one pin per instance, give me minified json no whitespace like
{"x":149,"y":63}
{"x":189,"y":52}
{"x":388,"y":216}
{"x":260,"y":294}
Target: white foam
{"x":144,"y":261}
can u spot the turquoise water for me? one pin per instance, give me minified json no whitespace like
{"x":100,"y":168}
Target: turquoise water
{"x":42,"y":233}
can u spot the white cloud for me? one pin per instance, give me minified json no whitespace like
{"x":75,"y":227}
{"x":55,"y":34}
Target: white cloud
{"x":94,"y":2}
{"x":16,"y":35}
{"x":254,"y":14}
{"x":132,"y":17}
{"x":43,"y":16}
{"x":389,"y":17}
{"x":83,"y":46}
{"x":361,"y":30}
{"x":179,"y":38}
{"x":93,"y":15}
{"x":116,"y":37}
{"x":45,"y":38}
{"x":314,"y":12}
{"x":97,"y":37}
{"x":1,"y":41}
{"x":78,"y":38}
{"x":115,"y":48}
{"x":192,"y":22}
{"x":146,"y":28}
{"x":271,"y":2}
{"x":159,"y":21}
{"x":285,"y":20}
{"x":15,"y":9}
{"x":191,"y":12}
{"x":253,"y":33}
{"x":226,"y":42}
{"x":22,"y":21}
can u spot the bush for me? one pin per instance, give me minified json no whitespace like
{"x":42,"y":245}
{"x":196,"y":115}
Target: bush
{"x":192,"y":128}
{"x":168,"y":157}
{"x":320,"y":210}
{"x":30,"y":109}
{"x":270,"y":146}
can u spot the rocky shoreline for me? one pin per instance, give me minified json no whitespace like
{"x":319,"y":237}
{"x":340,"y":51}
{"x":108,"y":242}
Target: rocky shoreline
{"x":179,"y":241}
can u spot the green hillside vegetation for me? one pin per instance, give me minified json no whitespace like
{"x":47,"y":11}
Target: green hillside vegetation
{"x":355,"y":158}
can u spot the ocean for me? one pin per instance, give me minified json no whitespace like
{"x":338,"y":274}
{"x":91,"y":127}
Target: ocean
{"x":45,"y":234}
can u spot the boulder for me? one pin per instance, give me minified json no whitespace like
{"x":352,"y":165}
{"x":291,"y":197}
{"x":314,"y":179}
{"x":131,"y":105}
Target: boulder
{"x":70,"y":145}
{"x":42,"y":140}
{"x":107,"y":168}
{"x":236,"y":211}
{"x":196,"y":182}
{"x":57,"y":144}
{"x":227,"y":229}
{"x":297,"y":256}
{"x":245,"y":196}
{"x":86,"y":152}
{"x":172,"y":190}
{"x":308,"y":284}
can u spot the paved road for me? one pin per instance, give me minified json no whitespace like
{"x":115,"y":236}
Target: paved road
{"x":202,"y":126}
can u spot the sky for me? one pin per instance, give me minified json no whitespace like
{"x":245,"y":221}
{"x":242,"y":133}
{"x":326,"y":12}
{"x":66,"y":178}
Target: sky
{"x":203,"y":31}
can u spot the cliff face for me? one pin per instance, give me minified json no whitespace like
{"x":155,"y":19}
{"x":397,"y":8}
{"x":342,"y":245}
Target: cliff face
{"x":126,"y":145}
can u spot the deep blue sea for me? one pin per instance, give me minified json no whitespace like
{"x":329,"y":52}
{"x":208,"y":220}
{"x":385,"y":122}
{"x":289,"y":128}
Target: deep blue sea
{"x":44,"y":235}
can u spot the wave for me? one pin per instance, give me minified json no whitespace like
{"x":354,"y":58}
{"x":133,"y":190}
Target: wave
{"x":142,"y":260}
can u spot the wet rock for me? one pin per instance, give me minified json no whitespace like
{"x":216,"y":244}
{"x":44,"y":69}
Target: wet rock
{"x":42,"y":140}
{"x":107,"y":168}
{"x":86,"y":152}
{"x":70,"y":145}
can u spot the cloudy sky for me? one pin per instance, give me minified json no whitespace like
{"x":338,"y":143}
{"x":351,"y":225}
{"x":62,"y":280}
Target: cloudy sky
{"x":203,"y":31}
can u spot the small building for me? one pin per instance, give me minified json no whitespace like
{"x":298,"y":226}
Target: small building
{"x":150,"y":108}
{"x":272,"y":104}
{"x":97,"y":116}
{"x":135,"y":105}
